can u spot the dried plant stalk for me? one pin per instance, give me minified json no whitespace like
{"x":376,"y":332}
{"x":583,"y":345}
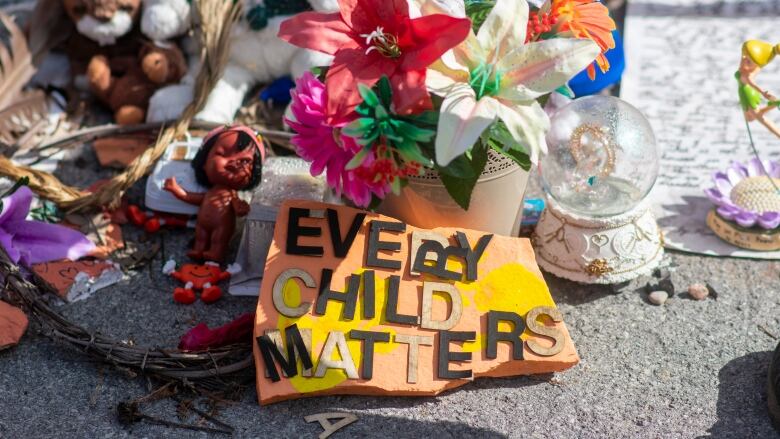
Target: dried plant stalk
{"x":21,"y":116}
{"x":16,"y":66}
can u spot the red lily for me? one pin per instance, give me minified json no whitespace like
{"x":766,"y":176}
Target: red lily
{"x":372,"y":38}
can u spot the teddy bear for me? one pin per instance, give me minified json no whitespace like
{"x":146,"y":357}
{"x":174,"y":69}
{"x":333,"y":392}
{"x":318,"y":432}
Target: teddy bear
{"x":121,"y":68}
{"x":257,"y":56}
{"x":127,"y":90}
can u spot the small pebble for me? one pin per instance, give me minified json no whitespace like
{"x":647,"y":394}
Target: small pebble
{"x":698,"y":291}
{"x":658,"y":297}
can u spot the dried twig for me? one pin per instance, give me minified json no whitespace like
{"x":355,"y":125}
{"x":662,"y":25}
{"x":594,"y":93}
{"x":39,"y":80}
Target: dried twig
{"x":218,"y":371}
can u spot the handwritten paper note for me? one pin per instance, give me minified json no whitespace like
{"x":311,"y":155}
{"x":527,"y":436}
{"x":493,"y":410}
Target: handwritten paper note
{"x":681,"y":57}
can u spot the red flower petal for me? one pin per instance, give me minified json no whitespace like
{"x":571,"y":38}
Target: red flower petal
{"x":317,"y":31}
{"x":350,"y":67}
{"x":409,"y":93}
{"x":363,"y":16}
{"x":429,"y":37}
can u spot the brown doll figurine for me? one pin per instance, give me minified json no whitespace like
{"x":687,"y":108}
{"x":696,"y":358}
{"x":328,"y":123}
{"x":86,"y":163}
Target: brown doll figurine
{"x":230,"y":160}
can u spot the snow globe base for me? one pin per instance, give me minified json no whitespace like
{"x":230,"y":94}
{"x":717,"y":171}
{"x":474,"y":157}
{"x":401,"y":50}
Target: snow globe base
{"x":598,"y":250}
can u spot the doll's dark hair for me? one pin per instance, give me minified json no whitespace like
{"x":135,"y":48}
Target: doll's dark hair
{"x":243,"y":142}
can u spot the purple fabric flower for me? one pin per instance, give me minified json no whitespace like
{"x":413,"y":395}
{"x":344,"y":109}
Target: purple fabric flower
{"x":34,"y":242}
{"x":730,"y":207}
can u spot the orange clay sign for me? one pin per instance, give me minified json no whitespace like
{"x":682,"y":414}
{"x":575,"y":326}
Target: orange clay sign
{"x":359,"y":303}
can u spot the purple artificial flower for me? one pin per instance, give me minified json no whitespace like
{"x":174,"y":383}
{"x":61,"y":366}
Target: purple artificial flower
{"x":34,"y":242}
{"x":744,"y":195}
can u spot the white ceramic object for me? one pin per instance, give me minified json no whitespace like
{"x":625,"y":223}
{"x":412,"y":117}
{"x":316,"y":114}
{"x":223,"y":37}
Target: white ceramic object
{"x":598,"y":250}
{"x":496,"y":203}
{"x":175,"y":162}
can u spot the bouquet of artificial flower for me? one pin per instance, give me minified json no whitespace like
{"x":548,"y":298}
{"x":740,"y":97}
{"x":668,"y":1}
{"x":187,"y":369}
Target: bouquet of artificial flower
{"x":435,"y":84}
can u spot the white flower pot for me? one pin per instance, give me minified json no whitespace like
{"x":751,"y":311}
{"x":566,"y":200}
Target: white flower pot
{"x":496,"y":203}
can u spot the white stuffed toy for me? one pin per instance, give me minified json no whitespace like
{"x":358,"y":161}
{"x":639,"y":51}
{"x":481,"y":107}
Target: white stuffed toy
{"x":165,"y":19}
{"x":256,"y":56}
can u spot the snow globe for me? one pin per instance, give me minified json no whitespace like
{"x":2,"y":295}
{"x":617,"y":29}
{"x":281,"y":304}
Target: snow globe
{"x":600,"y":166}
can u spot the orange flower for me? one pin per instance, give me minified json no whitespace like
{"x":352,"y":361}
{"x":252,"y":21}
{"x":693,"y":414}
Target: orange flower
{"x":586,"y":19}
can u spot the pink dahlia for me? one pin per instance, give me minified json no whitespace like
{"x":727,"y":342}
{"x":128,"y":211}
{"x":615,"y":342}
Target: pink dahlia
{"x":325,"y":147}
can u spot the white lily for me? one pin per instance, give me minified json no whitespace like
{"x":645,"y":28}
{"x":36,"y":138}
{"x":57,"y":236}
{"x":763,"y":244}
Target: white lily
{"x":495,"y":75}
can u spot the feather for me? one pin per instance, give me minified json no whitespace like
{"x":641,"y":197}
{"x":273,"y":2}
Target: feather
{"x":20,"y":117}
{"x":15,"y":63}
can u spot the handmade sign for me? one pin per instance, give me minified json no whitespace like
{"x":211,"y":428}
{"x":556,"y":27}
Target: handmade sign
{"x":359,"y":303}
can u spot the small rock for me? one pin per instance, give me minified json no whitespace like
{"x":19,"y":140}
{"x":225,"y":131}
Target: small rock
{"x":698,"y":291}
{"x":658,"y":297}
{"x":715,"y":288}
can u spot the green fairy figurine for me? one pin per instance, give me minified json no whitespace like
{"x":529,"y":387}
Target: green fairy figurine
{"x":756,"y":55}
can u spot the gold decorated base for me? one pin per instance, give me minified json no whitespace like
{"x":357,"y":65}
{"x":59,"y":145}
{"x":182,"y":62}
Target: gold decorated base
{"x":752,"y":239}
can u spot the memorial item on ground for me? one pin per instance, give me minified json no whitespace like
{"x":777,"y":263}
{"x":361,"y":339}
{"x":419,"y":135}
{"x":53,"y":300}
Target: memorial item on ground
{"x":152,"y":221}
{"x":198,"y":277}
{"x":218,"y":371}
{"x":122,"y":69}
{"x":445,"y":96}
{"x":755,"y":101}
{"x":30,"y":242}
{"x":176,"y":162}
{"x":601,"y":165}
{"x":201,"y":338}
{"x":284,"y":178}
{"x":255,"y":56}
{"x":78,"y":280}
{"x":230,"y":160}
{"x":707,"y":132}
{"x":747,"y":205}
{"x":747,"y":196}
{"x":13,"y":325}
{"x":348,"y":296}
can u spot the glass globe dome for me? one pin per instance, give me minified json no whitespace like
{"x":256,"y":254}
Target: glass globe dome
{"x":602,"y":159}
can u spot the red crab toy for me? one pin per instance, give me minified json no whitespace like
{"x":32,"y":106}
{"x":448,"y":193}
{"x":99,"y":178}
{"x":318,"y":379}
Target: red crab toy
{"x":202,"y":277}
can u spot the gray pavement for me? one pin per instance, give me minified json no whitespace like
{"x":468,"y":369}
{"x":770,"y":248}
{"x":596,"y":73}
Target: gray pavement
{"x":685,"y":369}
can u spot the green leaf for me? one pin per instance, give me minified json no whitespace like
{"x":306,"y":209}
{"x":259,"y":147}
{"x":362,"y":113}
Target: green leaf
{"x":357,"y":160}
{"x":518,"y":156}
{"x":460,"y":167}
{"x":380,"y":112}
{"x":500,"y":139}
{"x":411,"y":152}
{"x":364,"y":110}
{"x":430,"y":118}
{"x":414,"y":132}
{"x":460,"y":189}
{"x":320,"y":72}
{"x":369,"y":97}
{"x":477,"y":11}
{"x":385,"y":91}
{"x":395,"y":186}
{"x":358,"y":127}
